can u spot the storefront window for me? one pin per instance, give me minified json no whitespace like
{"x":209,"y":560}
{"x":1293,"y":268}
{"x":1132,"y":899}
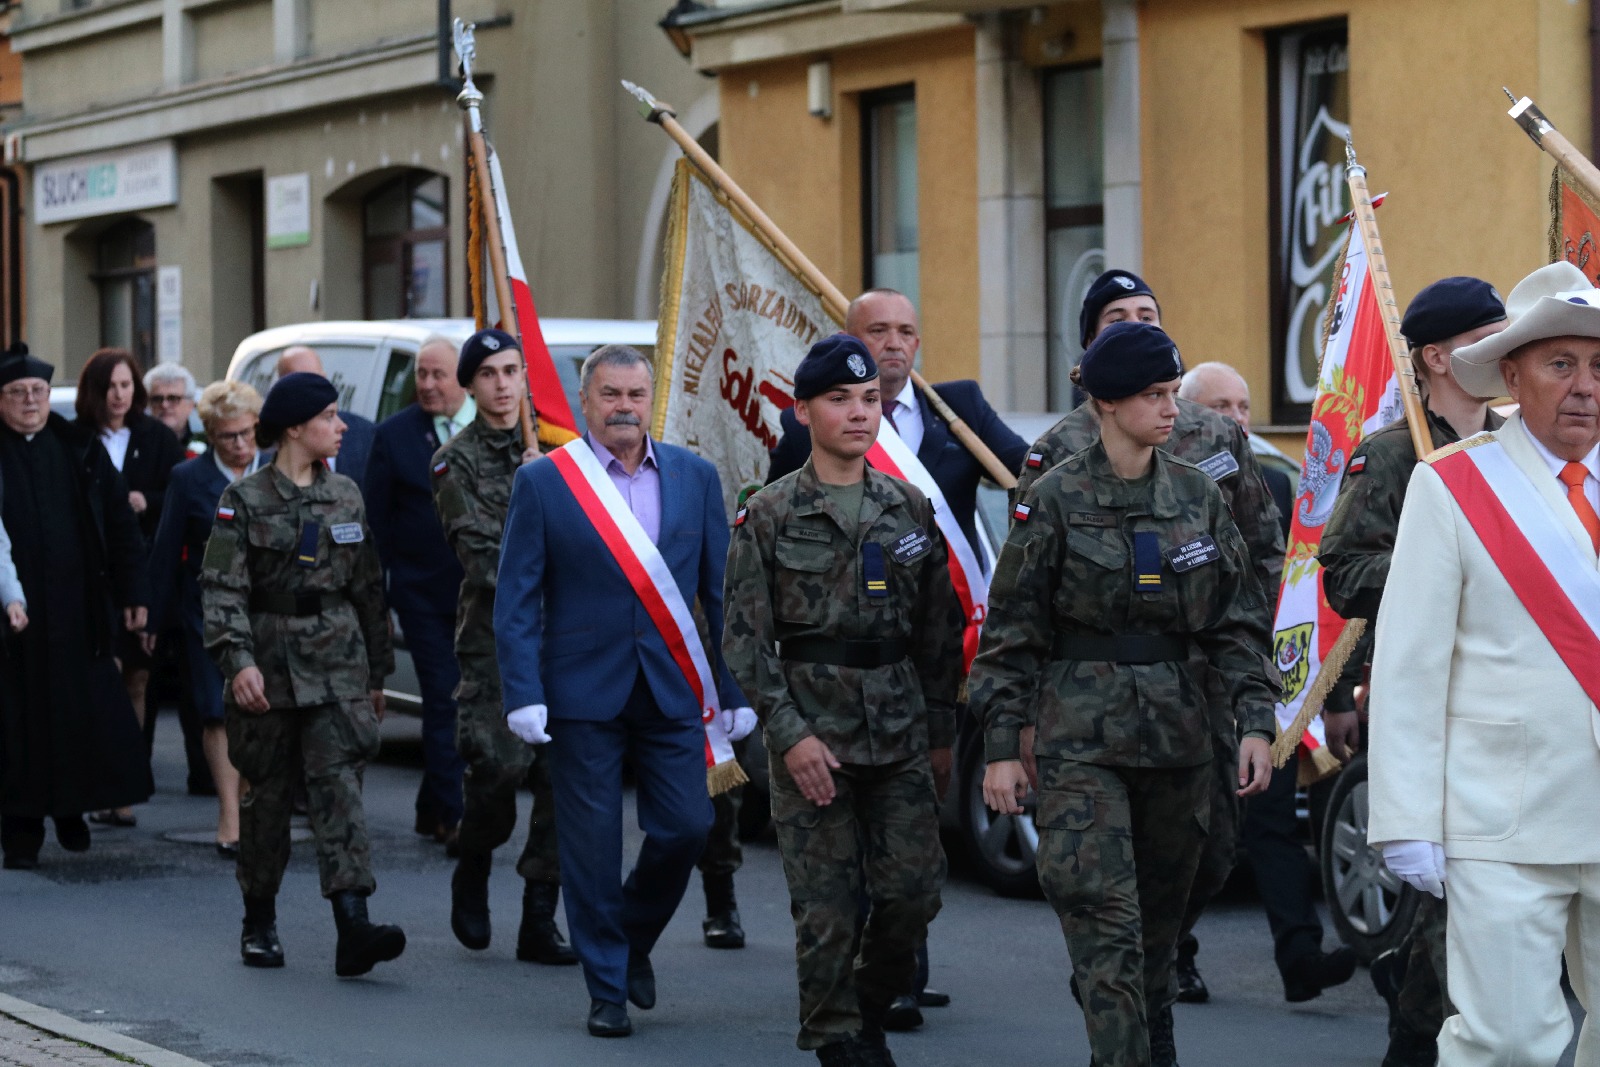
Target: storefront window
{"x":1074,"y":213}
{"x":889,"y":189}
{"x":125,"y":260}
{"x":407,"y":241}
{"x":1309,"y":116}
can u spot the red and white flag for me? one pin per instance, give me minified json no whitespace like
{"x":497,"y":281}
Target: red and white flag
{"x":1357,"y":392}
{"x":556,"y":424}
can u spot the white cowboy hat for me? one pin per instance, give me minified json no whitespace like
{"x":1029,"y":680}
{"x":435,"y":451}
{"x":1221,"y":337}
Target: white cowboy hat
{"x":1553,"y":301}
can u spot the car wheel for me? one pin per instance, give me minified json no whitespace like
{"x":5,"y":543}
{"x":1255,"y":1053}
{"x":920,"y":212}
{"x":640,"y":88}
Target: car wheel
{"x":1372,"y":909}
{"x":1002,"y":847}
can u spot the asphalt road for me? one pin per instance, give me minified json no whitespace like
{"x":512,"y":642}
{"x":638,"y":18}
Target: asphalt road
{"x":140,"y":934}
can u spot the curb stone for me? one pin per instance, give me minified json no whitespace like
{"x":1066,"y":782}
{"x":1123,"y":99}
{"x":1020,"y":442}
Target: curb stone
{"x":99,"y":1037}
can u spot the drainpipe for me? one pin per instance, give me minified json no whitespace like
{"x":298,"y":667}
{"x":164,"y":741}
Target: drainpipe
{"x":1124,"y":209}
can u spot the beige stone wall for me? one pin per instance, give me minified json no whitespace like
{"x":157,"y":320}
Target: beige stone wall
{"x":232,"y":38}
{"x":107,"y":69}
{"x":347,"y":25}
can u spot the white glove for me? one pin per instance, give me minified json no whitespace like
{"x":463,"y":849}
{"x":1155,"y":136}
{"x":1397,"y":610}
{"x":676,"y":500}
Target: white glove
{"x":738,"y":723}
{"x":1419,"y":864}
{"x":528,"y":723}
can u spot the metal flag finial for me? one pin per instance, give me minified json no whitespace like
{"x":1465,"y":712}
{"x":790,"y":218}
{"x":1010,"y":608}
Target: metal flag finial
{"x":466,"y":45}
{"x":649,"y":106}
{"x":1350,"y":164}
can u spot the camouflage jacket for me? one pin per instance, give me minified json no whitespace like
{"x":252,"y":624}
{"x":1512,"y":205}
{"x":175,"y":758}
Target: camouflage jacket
{"x":1209,"y":441}
{"x":305,"y":660}
{"x":1359,"y":536}
{"x":795,"y":571}
{"x":472,"y":475}
{"x":1069,"y":568}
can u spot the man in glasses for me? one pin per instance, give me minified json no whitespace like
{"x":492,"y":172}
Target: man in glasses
{"x":172,"y":391}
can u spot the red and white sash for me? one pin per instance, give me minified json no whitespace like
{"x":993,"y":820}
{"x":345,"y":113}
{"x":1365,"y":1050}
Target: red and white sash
{"x":652,"y":581}
{"x":892,"y":456}
{"x":1531,"y":546}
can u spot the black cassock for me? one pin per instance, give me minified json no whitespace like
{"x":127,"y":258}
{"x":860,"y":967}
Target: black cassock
{"x":69,"y":740}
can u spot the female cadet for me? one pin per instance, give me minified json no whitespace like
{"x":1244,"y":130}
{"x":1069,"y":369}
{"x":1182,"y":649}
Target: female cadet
{"x":1122,"y":577}
{"x":295,"y":618}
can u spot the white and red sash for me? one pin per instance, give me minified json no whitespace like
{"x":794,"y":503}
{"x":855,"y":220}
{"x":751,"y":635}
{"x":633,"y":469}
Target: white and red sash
{"x":652,"y":581}
{"x":892,"y":456}
{"x":1528,"y":542}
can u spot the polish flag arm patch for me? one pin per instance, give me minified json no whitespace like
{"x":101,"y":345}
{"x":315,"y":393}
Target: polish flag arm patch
{"x":1035,"y":460}
{"x":439,"y":468}
{"x":225,"y":514}
{"x":1020,"y":513}
{"x":1358,"y":464}
{"x":738,"y":520}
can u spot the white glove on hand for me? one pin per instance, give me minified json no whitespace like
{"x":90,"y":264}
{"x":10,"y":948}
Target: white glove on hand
{"x":1419,"y":864}
{"x":739,"y":723}
{"x":528,"y":723}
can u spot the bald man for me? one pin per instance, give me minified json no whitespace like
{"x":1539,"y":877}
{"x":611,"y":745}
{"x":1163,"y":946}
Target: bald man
{"x":1222,"y":389}
{"x":359,"y":431}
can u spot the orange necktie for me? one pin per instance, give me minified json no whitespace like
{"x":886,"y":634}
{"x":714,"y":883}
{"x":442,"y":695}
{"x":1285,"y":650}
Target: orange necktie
{"x":1573,"y":475}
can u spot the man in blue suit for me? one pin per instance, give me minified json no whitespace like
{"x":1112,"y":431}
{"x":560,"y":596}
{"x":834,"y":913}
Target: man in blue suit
{"x":586,"y":670}
{"x":359,"y":431}
{"x":421,"y":572}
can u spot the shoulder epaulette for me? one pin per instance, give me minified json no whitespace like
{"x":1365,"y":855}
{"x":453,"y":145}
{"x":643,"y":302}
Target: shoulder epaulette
{"x":1482,"y":437}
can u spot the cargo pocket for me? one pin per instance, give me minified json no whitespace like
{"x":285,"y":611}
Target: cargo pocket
{"x":818,"y":846}
{"x":801,"y":589}
{"x":1070,"y":851}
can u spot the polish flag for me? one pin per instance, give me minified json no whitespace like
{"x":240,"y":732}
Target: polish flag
{"x":556,"y":424}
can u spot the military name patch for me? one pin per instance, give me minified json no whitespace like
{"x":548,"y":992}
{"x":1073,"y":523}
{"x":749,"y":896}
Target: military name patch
{"x":911,"y":546}
{"x":348,"y":533}
{"x":1219,"y":466}
{"x":225,"y":514}
{"x":1020,"y":513}
{"x":440,"y":468}
{"x":1035,"y":460}
{"x":805,"y":533}
{"x":1091,"y":518}
{"x":1196,"y":553}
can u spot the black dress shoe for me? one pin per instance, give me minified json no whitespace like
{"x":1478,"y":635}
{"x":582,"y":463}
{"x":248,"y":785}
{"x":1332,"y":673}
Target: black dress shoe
{"x":228,"y":850}
{"x":932,"y":998}
{"x":1305,"y":978}
{"x":258,"y":943}
{"x":641,"y":982}
{"x":21,"y":861}
{"x":1191,"y":987}
{"x":609,"y":1020}
{"x":73,"y":833}
{"x":1388,"y":974}
{"x":1407,"y":1049}
{"x":902,"y":1014}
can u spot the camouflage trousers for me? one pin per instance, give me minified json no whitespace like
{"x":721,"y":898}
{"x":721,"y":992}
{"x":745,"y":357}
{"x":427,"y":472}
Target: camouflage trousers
{"x":1222,"y":837}
{"x":878,"y":839}
{"x":1118,"y":847}
{"x":329,"y":746}
{"x":1424,"y":1002}
{"x":724,"y":852}
{"x":498,"y":762}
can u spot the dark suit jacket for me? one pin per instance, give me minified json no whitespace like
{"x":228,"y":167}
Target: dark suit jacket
{"x":423,"y":573}
{"x":153,"y":450}
{"x":180,"y":544}
{"x":955,"y":470}
{"x":570,"y":631}
{"x":356,"y":447}
{"x":1278,"y":485}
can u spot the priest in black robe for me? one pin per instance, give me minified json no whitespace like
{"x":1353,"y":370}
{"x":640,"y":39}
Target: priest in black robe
{"x":69,"y":740}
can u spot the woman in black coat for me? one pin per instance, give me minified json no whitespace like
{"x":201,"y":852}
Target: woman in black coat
{"x":111,"y":403}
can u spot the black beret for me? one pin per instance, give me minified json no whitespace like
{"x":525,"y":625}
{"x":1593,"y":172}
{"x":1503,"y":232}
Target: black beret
{"x":17,"y":364}
{"x":294,"y":399}
{"x":1128,"y":357}
{"x":1451,"y":307}
{"x":479,"y":347}
{"x":835,"y":360}
{"x":1112,"y":285}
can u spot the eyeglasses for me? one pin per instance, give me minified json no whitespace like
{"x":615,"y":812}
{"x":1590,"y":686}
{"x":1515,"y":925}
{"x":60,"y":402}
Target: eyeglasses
{"x":239,"y":437}
{"x":158,"y":401}
{"x":25,"y":392}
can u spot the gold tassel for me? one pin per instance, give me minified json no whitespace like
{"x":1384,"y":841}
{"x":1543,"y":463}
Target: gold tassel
{"x":1321,"y":765}
{"x":725,"y":776}
{"x":480,"y":306}
{"x":1326,"y":678}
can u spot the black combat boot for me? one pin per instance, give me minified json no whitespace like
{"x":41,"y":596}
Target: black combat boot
{"x":721,"y":924}
{"x":872,"y":1047}
{"x":1408,"y":1049}
{"x":362,"y":944}
{"x":469,"y":900}
{"x":1163,"y":1047}
{"x":1191,"y":987}
{"x":539,"y":940}
{"x":839,"y":1054}
{"x":258,"y":944}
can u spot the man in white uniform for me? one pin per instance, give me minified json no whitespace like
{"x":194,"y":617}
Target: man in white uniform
{"x":1485,"y":764}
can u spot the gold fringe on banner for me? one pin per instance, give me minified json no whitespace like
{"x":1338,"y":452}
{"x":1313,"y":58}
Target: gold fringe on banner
{"x":475,"y":291}
{"x":1332,"y":665}
{"x":1553,"y":237}
{"x":725,"y":776}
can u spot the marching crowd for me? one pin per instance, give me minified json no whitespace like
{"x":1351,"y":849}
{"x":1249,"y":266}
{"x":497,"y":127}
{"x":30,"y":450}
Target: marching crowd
{"x":573,"y":609}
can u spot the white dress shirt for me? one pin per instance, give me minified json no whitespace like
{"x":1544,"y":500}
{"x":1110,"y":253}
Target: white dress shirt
{"x":1591,"y":484}
{"x":116,"y":442}
{"x":907,"y":416}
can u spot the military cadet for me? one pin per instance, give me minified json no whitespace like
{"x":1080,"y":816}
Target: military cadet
{"x":843,"y":628}
{"x":472,"y":476}
{"x":1123,"y":577}
{"x":1218,"y":447}
{"x":1356,"y":544}
{"x":296,"y":621}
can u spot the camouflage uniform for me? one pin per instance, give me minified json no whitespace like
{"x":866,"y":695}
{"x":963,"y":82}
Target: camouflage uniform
{"x":1216,"y":445}
{"x":319,"y":633}
{"x":1356,"y":545}
{"x":796,"y":583}
{"x":1124,"y":745}
{"x":472,"y":475}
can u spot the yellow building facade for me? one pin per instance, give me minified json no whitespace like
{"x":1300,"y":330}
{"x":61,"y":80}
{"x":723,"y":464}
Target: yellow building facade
{"x":1197,"y":142}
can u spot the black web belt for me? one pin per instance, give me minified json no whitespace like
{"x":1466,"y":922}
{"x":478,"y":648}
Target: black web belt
{"x":294,"y":603}
{"x":1120,"y":648}
{"x":863,"y":654}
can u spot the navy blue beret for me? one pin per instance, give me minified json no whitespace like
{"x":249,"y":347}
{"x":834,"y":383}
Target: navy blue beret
{"x":1451,"y":307}
{"x":294,"y":399}
{"x":18,"y":363}
{"x":1112,"y":285}
{"x":835,"y":360}
{"x":479,"y":347}
{"x":1126,"y":358}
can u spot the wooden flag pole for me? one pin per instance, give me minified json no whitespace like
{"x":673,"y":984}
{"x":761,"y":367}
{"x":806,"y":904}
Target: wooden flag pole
{"x":662,"y":115}
{"x":470,"y":101}
{"x":1544,"y":134}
